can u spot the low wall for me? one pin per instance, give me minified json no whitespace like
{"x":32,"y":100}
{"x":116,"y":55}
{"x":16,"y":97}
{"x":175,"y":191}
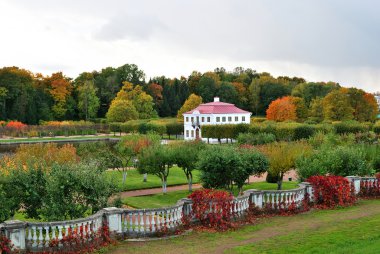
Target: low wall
{"x":129,"y":223}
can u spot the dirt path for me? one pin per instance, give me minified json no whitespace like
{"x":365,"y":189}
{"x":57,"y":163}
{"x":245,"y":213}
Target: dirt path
{"x":268,"y":228}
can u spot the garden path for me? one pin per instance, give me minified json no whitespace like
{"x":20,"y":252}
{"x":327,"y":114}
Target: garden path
{"x":144,"y":192}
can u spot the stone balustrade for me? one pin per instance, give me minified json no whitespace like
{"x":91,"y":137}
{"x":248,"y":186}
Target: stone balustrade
{"x":130,"y":223}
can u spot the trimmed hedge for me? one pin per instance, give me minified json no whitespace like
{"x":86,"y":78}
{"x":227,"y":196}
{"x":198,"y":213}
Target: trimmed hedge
{"x":351,"y":127}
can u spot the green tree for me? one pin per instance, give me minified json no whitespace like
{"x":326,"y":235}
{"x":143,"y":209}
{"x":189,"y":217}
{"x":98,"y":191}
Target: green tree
{"x":157,"y":160}
{"x":186,"y":157}
{"x":121,"y":111}
{"x":207,"y":88}
{"x":228,"y":93}
{"x":316,"y":109}
{"x":88,"y":102}
{"x":310,"y":90}
{"x":191,"y":103}
{"x":337,"y":107}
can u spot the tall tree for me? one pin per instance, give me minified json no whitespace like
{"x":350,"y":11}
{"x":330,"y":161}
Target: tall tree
{"x":60,"y":90}
{"x":88,"y":102}
{"x":337,"y":107}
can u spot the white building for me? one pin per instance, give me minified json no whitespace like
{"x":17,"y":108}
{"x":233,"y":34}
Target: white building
{"x":212,"y":113}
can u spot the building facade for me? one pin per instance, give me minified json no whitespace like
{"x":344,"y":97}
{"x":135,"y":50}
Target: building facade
{"x":212,"y":113}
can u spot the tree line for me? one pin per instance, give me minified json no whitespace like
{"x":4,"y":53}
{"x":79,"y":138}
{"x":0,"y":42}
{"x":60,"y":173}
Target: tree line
{"x":31,"y":97}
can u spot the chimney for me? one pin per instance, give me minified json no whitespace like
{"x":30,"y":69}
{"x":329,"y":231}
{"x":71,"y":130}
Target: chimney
{"x":216,"y":99}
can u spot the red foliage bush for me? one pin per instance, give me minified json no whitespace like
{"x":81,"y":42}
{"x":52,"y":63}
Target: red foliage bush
{"x":6,"y":245}
{"x":212,"y":208}
{"x":331,"y":191}
{"x":15,"y":125}
{"x":78,"y":241}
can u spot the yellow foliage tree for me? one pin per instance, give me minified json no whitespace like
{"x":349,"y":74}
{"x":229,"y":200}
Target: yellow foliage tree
{"x":191,"y":103}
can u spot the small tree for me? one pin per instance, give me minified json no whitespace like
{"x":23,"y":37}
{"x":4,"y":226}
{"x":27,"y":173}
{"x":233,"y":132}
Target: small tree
{"x":282,"y":157}
{"x":130,"y":146}
{"x":157,"y":160}
{"x":191,"y":103}
{"x":216,"y":164}
{"x":252,"y":163}
{"x":186,"y":157}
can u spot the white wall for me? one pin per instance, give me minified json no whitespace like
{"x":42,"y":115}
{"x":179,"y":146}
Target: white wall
{"x":208,"y":119}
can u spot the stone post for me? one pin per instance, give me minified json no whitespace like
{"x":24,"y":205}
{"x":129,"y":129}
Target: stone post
{"x":15,"y":231}
{"x":113,"y":216}
{"x":356,"y":182}
{"x":187,"y":206}
{"x":309,"y":190}
{"x":255,"y":197}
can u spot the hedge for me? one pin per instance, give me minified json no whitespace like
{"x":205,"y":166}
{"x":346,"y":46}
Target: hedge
{"x":350,"y":127}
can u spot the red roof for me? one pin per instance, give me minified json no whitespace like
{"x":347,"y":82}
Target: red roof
{"x":217,"y":108}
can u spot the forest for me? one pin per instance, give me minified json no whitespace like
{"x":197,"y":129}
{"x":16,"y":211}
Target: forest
{"x":32,"y":97}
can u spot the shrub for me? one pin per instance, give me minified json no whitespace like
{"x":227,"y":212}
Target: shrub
{"x":303,"y":132}
{"x":212,"y":208}
{"x":174,"y":129}
{"x":350,"y":127}
{"x":6,"y":246}
{"x":369,"y":188}
{"x":331,"y":191}
{"x":341,"y":161}
{"x":256,"y":139}
{"x":376,"y":127}
{"x":115,"y":127}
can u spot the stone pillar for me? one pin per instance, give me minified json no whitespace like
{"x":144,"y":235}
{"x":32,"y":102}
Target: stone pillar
{"x":309,"y":190}
{"x":187,"y":206}
{"x":356,"y":182}
{"x":255,"y":197}
{"x":15,"y":231}
{"x":113,"y":216}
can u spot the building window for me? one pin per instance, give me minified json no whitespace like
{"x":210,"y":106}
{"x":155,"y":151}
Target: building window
{"x":243,"y":118}
{"x":192,"y":133}
{"x":217,"y":119}
{"x":203,"y":119}
{"x":187,"y":133}
{"x":208,"y":119}
{"x":223,"y":119}
{"x":236,"y":118}
{"x":230,"y":119}
{"x":187,"y":118}
{"x":192,"y":119}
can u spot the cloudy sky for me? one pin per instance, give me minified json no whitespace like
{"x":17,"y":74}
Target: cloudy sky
{"x":320,"y":40}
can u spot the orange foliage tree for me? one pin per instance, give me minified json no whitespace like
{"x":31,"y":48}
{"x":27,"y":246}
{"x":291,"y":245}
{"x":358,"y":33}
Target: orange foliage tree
{"x":282,"y":109}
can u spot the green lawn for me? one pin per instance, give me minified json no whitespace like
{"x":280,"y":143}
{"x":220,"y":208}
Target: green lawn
{"x":347,"y":230}
{"x":54,"y":139}
{"x":171,"y":198}
{"x":135,"y":180}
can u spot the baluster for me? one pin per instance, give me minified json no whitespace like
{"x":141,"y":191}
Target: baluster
{"x":141,"y":223}
{"x":153,"y":223}
{"x":30,"y":236}
{"x":47,"y":236}
{"x":40,"y":237}
{"x":34,"y":236}
{"x":60,"y":232}
{"x":130,"y":226}
{"x":167,"y":221}
{"x":53,"y":233}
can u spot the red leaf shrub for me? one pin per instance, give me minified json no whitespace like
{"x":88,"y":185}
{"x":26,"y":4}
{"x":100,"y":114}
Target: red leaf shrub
{"x":15,"y":125}
{"x":331,"y":191}
{"x":6,"y":245}
{"x":212,"y":208}
{"x":78,"y":241}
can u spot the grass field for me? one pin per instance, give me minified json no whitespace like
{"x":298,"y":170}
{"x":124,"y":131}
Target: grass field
{"x":171,"y":198}
{"x":135,"y":180}
{"x":347,"y":230}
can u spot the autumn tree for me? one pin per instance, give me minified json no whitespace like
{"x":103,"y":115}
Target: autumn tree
{"x":282,"y":109}
{"x":337,"y":107}
{"x":60,"y":90}
{"x":191,"y":103}
{"x":364,"y":104}
{"x":121,"y":111}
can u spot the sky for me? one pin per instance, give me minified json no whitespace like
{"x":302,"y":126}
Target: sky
{"x":320,"y":40}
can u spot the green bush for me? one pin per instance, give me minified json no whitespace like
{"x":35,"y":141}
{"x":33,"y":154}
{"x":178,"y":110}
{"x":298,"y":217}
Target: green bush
{"x":174,"y":129}
{"x":350,"y":127}
{"x":341,"y":161}
{"x":115,"y":127}
{"x":256,"y":139}
{"x":303,"y":132}
{"x":376,"y":127}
